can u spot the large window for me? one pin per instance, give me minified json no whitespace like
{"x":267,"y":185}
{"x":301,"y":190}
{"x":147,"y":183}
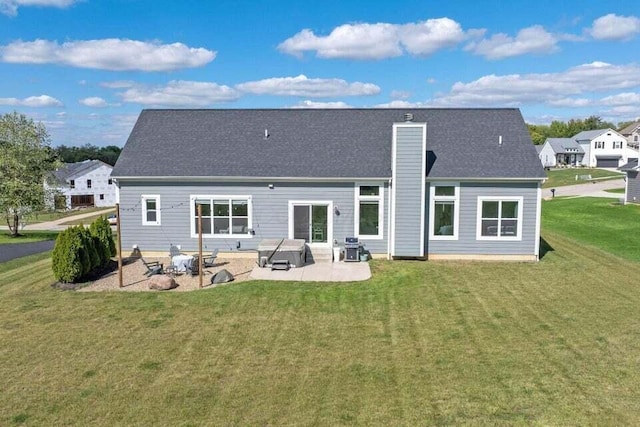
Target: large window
{"x":150,"y":210}
{"x":443,"y":212}
{"x":369,"y":211}
{"x":222,"y":216}
{"x":499,"y":218}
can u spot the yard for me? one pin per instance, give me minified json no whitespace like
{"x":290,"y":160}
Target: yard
{"x":27,"y":236}
{"x":560,"y":177}
{"x":422,"y":343}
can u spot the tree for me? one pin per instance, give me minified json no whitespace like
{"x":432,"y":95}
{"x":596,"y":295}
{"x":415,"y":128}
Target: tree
{"x":108,"y":154}
{"x":26,"y":160}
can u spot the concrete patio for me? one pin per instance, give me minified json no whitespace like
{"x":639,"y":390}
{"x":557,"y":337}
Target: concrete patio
{"x":318,"y":272}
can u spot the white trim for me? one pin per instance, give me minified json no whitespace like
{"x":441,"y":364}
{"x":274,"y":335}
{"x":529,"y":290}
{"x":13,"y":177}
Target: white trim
{"x":356,"y":203}
{"x":329,"y":204}
{"x":627,"y":176}
{"x":499,"y":199}
{"x":423,"y":192}
{"x":456,"y":206}
{"x":392,"y":204}
{"x":210,"y":197}
{"x":143,"y":201}
{"x":538,"y":220}
{"x":390,"y":220}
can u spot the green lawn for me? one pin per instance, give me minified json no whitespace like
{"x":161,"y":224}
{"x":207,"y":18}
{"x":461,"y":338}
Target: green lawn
{"x":560,"y":177}
{"x":27,"y":236}
{"x":596,"y":222}
{"x":38,"y":217}
{"x":616,"y":190}
{"x":85,"y":221}
{"x":422,"y":343}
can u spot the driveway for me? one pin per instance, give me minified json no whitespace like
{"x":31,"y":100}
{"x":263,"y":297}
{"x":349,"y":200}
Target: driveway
{"x":11,"y":251}
{"x":57,"y":224}
{"x":592,"y":189}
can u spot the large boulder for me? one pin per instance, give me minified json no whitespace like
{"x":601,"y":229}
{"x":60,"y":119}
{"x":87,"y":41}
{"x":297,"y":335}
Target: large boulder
{"x":222,"y":276}
{"x":162,"y":283}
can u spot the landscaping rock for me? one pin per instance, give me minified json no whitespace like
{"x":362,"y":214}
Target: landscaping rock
{"x":222,"y":276}
{"x":162,"y":283}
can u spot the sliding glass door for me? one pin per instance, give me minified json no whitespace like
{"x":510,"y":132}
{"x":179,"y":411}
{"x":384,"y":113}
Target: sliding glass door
{"x":311,"y":222}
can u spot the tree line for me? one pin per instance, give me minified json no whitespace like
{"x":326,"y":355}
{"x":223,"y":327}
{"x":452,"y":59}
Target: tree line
{"x":560,"y":129}
{"x":108,"y":154}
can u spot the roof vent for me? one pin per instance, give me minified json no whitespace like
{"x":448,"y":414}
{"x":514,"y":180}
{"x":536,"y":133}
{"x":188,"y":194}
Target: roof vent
{"x":266,"y":133}
{"x":408,"y":117}
{"x":500,"y":140}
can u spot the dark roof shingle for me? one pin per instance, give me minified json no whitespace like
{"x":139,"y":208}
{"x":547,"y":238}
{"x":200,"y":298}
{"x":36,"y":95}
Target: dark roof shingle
{"x":323,"y":143}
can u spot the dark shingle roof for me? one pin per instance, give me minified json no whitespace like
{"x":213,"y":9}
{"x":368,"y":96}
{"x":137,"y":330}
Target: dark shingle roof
{"x":73,"y":170}
{"x":629,"y":129}
{"x":323,"y":143}
{"x":560,"y":145}
{"x":631,"y":165}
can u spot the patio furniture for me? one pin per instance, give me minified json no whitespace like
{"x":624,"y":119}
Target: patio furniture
{"x":174,"y":250}
{"x":153,"y":267}
{"x":194,"y":268}
{"x":209,"y":260}
{"x":181,"y":262}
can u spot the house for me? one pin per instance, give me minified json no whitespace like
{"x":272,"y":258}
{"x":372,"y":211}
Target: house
{"x":561,"y":151}
{"x":83,"y":184}
{"x":417,"y":183}
{"x":632,"y":133}
{"x":632,"y":183}
{"x":603,"y":148}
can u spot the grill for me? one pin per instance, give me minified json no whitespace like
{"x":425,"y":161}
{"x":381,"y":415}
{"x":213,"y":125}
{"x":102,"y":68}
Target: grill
{"x":351,"y":249}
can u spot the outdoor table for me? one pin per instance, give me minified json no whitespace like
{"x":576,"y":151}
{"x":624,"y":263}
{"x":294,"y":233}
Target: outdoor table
{"x":182,"y":262}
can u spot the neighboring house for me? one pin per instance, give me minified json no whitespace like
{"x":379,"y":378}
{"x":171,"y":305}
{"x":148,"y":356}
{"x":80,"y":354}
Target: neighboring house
{"x":561,"y":151}
{"x":418,"y":183}
{"x":632,"y":133}
{"x":84,"y":184}
{"x":632,"y":183}
{"x":603,"y":148}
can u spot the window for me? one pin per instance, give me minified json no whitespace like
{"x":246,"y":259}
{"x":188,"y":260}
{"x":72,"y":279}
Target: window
{"x":102,"y":197}
{"x":599,"y":144}
{"x":499,"y":218}
{"x":617,"y":144}
{"x":369,"y":211}
{"x":151,"y":210}
{"x":110,"y":181}
{"x":72,"y":184}
{"x":222,"y":216}
{"x":635,"y":138}
{"x":444,"y":211}
{"x":88,"y":183}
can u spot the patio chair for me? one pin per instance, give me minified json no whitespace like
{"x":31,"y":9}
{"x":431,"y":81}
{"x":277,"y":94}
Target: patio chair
{"x":194,"y":268}
{"x":210,"y":260}
{"x":173,"y":251}
{"x":153,"y":267}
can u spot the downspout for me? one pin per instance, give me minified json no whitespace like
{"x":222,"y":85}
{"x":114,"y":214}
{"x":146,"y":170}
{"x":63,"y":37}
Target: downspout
{"x":391,"y":219}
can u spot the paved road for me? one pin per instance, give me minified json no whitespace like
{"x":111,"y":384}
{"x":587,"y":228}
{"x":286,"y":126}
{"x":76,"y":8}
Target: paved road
{"x":11,"y":251}
{"x":595,"y":189}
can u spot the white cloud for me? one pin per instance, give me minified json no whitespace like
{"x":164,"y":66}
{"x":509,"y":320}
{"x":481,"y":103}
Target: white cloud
{"x":614,"y":27}
{"x":118,"y":84}
{"x":377,"y":41}
{"x":533,"y":39}
{"x":94,"y":102}
{"x":10,"y":7}
{"x":180,"y":93}
{"x":544,"y":88}
{"x":315,"y":104}
{"x":400,"y":94}
{"x":108,"y":54}
{"x":32,"y":101}
{"x":304,"y":86}
{"x":625,"y":98}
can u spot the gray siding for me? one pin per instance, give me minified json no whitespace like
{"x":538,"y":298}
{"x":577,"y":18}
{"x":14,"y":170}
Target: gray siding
{"x":270,"y":212}
{"x":633,"y":187}
{"x":408,"y":188}
{"x":467,"y":242}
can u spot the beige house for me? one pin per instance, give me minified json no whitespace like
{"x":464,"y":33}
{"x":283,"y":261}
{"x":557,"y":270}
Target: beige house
{"x":632,"y":133}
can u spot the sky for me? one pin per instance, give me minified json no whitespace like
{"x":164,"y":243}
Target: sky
{"x":86,"y":68}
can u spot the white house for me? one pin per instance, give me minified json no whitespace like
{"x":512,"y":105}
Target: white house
{"x":603,"y":148}
{"x":560,"y":151}
{"x":84,"y":184}
{"x":632,"y":133}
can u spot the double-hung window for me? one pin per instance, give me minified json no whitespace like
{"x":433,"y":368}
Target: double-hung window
{"x":599,"y":144}
{"x":369,"y":210}
{"x":617,"y":144}
{"x":499,"y":218}
{"x":222,"y":216}
{"x":150,"y":210}
{"x":444,"y":211}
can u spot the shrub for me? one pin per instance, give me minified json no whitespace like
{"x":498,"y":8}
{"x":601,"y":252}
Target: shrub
{"x":101,"y":229}
{"x":66,"y":257}
{"x":89,"y":247}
